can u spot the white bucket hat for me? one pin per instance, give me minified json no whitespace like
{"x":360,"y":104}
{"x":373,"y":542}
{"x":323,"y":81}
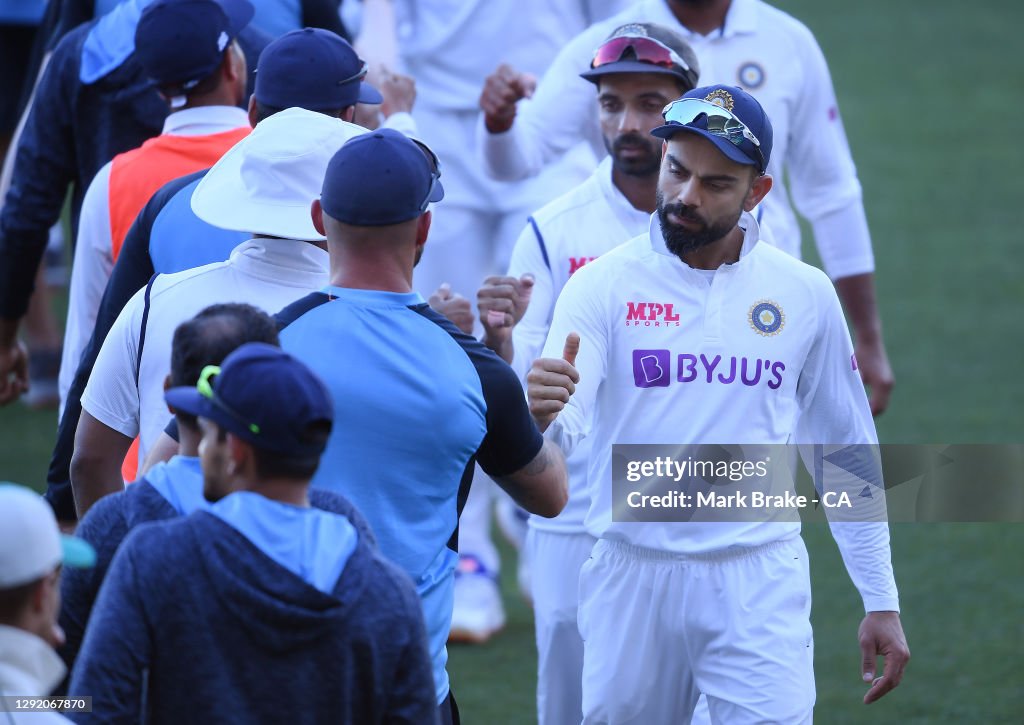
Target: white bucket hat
{"x":265,"y":183}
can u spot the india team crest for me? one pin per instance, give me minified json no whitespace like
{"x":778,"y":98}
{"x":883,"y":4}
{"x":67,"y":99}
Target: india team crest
{"x":767,"y":318}
{"x":721,"y":98}
{"x":751,"y":75}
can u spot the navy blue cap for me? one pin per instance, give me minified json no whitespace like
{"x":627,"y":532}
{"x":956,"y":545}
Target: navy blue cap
{"x":181,"y":42}
{"x":262,"y":395}
{"x":380,"y":178}
{"x":741,"y":105}
{"x":313,"y":69}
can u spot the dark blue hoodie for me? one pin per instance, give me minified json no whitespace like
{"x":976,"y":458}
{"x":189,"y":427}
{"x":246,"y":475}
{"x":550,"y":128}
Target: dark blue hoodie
{"x":194,"y":623}
{"x":113,"y":517}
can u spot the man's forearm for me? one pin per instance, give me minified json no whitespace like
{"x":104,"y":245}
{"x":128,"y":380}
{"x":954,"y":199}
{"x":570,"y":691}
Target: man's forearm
{"x":857,"y":294}
{"x":96,"y":464}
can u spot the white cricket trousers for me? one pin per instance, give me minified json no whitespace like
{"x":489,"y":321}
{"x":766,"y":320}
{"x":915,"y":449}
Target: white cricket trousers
{"x":660,"y":628}
{"x":555,"y":561}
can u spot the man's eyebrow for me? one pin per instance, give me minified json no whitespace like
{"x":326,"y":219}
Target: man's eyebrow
{"x":711,"y":177}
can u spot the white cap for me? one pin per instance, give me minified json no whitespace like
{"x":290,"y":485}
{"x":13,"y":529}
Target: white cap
{"x":31,"y":545}
{"x":266,"y":182}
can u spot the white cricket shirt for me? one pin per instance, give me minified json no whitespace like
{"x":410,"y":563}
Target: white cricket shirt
{"x":266,"y":273}
{"x":643,"y":380}
{"x":771,"y":55}
{"x":570,"y":232}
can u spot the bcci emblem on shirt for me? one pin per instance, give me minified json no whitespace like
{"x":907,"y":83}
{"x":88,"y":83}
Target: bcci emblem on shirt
{"x":767,"y":318}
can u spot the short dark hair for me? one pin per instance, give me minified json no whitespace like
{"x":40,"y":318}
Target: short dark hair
{"x":263,"y":111}
{"x":211,"y":336}
{"x":13,"y":600}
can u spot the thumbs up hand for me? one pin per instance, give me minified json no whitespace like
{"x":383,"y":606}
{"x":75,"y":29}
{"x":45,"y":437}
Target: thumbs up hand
{"x":551,"y":382}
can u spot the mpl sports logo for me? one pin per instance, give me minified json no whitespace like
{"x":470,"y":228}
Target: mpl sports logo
{"x":653,"y":369}
{"x":651,"y":314}
{"x":576,"y":263}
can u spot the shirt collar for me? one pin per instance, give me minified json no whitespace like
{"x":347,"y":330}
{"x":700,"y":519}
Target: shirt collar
{"x":741,"y":18}
{"x":266,"y":258}
{"x":373,"y":298}
{"x":751,"y":235}
{"x":28,"y":665}
{"x":205,"y":120}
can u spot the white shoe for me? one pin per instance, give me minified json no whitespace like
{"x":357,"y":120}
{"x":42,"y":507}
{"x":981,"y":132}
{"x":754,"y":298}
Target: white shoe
{"x":478,"y":613}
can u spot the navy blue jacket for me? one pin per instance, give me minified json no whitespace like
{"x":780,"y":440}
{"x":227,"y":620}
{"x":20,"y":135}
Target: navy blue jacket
{"x":195,"y":624}
{"x":112,"y":518}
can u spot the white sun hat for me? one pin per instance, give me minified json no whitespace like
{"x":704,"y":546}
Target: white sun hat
{"x":266,"y":182}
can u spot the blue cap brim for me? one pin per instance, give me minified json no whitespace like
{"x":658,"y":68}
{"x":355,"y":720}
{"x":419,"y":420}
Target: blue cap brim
{"x":369,"y":95}
{"x":187,"y":400}
{"x":438,"y":192}
{"x":77,"y":552}
{"x":240,"y":13}
{"x":729,"y":149}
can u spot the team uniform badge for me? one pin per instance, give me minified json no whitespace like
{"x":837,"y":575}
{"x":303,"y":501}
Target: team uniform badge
{"x":767,"y":318}
{"x":750,"y":76}
{"x":721,"y":98}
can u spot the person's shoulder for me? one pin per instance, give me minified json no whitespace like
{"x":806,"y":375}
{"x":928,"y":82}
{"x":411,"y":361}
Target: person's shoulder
{"x":777,"y":264}
{"x":619,"y":260}
{"x":69,"y":48}
{"x":568,"y":206}
{"x":296,"y":311}
{"x":778,"y":25}
{"x":336,"y":503}
{"x":185,"y":281}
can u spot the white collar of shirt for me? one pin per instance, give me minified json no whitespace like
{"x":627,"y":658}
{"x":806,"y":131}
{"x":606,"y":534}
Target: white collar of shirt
{"x":616,"y":199}
{"x":28,"y":665}
{"x":751,"y":234}
{"x":266,"y":258}
{"x":741,"y":18}
{"x":205,"y":120}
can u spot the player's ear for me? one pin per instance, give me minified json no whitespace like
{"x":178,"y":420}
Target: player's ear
{"x":423,"y":227}
{"x":758,"y":189}
{"x":316,"y":211}
{"x":253,"y":119}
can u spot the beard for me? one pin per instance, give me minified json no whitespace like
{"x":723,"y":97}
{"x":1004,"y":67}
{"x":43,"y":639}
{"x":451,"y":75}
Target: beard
{"x":646,"y":164}
{"x":679,"y":240}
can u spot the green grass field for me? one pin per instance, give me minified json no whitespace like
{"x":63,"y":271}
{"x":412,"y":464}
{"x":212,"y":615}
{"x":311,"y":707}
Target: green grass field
{"x":932,"y":97}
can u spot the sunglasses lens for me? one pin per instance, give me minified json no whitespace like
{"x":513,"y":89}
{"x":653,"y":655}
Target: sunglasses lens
{"x":720,"y":122}
{"x":645,"y":49}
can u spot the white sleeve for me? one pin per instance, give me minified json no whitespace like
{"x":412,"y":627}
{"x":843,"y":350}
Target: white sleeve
{"x":823,"y":178}
{"x":562,"y":112}
{"x":834,"y":410}
{"x":93,"y":264}
{"x":579,"y":310}
{"x":403,"y":123}
{"x":528,"y":256}
{"x":112,"y":395}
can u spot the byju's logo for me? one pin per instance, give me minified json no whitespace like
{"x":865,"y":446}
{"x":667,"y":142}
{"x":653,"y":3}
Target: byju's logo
{"x":651,"y":368}
{"x":651,"y":314}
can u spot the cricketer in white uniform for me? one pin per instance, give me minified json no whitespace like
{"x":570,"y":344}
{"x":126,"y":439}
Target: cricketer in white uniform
{"x":674,"y":330}
{"x":776,"y":58}
{"x":633,"y":76}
